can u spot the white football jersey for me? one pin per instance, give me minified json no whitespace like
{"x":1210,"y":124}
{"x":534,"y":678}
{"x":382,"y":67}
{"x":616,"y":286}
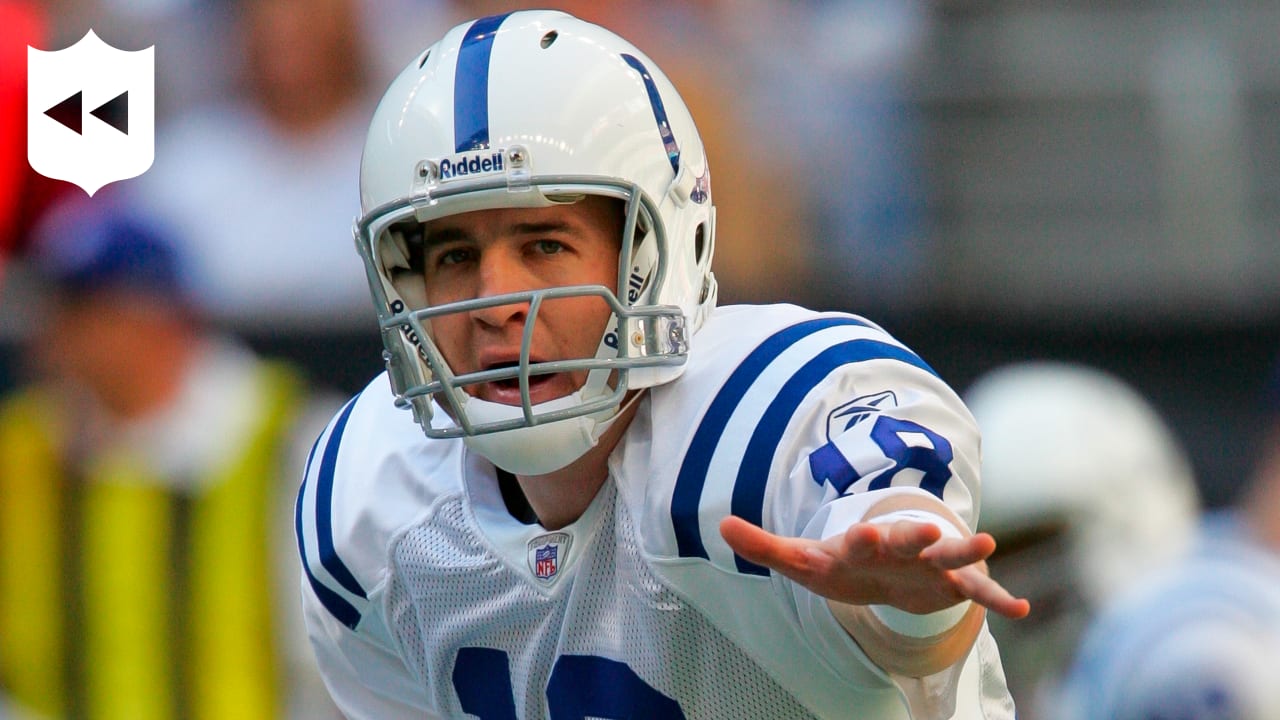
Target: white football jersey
{"x":426,"y":598}
{"x":1199,"y":642}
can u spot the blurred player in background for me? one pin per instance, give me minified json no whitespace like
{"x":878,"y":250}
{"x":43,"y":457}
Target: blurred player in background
{"x":274,"y":176}
{"x":144,"y":494}
{"x":1088,"y":490}
{"x":1200,"y":640}
{"x":630,"y":502}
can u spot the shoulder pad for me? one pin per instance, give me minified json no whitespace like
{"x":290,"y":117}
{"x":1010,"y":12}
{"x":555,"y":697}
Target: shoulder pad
{"x":369,"y":474}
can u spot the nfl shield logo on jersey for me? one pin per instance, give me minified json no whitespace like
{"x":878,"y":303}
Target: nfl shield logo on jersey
{"x":90,"y":112}
{"x":547,"y":554}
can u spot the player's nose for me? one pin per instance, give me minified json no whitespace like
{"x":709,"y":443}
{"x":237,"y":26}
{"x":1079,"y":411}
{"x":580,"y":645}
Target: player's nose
{"x":501,"y":272}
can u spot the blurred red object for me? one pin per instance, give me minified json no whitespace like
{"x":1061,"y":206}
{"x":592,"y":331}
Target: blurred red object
{"x":23,"y":192}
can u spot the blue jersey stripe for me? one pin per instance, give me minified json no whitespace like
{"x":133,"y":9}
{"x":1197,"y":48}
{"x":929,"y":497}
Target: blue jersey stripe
{"x":344,"y":611}
{"x":324,"y":507}
{"x":687,"y":494}
{"x":471,"y":85}
{"x":659,"y":111}
{"x":753,"y":473}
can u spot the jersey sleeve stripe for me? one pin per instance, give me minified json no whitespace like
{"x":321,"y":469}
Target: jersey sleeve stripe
{"x":324,"y":507}
{"x":344,"y":611}
{"x":687,"y":494}
{"x":753,"y":473}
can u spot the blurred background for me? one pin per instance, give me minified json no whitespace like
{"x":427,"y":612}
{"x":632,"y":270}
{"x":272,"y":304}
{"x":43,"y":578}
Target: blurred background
{"x":994,"y":181}
{"x":991,"y":180}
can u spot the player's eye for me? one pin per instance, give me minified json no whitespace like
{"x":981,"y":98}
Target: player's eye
{"x":454,"y":255}
{"x":548,"y":247}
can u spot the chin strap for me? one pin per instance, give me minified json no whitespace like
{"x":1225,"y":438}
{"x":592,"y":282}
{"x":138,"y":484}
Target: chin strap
{"x":603,"y":426}
{"x":546,"y":447}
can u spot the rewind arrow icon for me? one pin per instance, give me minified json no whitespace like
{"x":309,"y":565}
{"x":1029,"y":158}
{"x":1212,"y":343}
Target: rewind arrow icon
{"x":114,"y":112}
{"x":67,"y":112}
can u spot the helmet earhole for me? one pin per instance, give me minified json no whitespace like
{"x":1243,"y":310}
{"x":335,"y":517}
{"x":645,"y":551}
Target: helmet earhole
{"x":549,"y":39}
{"x":699,"y":242}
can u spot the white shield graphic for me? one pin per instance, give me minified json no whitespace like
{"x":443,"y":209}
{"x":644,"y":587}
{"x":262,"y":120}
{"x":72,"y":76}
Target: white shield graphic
{"x":90,"y":112}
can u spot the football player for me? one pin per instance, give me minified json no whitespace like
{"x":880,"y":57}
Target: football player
{"x":1089,"y":490}
{"x":1200,"y":640}
{"x":628,"y":502}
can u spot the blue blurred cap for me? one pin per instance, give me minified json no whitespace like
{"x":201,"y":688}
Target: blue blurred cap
{"x":92,"y":246}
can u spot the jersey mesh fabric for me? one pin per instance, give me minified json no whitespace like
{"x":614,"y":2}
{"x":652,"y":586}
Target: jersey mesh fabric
{"x":449,"y":590}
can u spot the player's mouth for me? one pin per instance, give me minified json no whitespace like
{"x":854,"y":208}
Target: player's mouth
{"x":542,"y":387}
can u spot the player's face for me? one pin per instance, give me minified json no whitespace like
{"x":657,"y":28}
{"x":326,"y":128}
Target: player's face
{"x":492,"y":252}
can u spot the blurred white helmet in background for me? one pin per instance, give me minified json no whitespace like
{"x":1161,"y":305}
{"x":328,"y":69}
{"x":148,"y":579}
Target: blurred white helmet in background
{"x":1073,"y":448}
{"x":1086,"y":489}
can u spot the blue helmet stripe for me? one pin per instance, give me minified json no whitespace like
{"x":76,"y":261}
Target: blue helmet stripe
{"x":687,"y":494}
{"x":659,"y":111}
{"x":471,"y":85}
{"x":345,"y":612}
{"x":324,"y":507}
{"x":753,"y":473}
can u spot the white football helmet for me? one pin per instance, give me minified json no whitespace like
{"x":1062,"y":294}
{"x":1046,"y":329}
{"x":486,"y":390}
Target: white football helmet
{"x":1086,"y":489}
{"x":532,"y":109}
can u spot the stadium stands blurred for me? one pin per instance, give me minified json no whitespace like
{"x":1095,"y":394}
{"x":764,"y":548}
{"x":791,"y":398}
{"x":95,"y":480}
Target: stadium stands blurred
{"x":1096,"y":182}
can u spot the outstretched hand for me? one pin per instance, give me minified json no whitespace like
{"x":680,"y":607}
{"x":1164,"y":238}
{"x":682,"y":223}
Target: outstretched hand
{"x":908,"y":565}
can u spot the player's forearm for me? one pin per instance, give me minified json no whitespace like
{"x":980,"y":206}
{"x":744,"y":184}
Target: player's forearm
{"x":908,"y":648}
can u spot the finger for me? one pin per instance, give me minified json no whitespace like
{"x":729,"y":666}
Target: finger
{"x":955,"y":553}
{"x":785,"y":555}
{"x":862,"y":541}
{"x":908,"y":539}
{"x":985,"y":591}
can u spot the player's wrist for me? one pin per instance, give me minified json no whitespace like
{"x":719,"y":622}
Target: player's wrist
{"x":905,"y":653}
{"x":920,"y":625}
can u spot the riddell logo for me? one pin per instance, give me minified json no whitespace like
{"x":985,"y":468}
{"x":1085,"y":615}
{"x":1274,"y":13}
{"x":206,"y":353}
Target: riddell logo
{"x":473,"y":165}
{"x":90,"y":112}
